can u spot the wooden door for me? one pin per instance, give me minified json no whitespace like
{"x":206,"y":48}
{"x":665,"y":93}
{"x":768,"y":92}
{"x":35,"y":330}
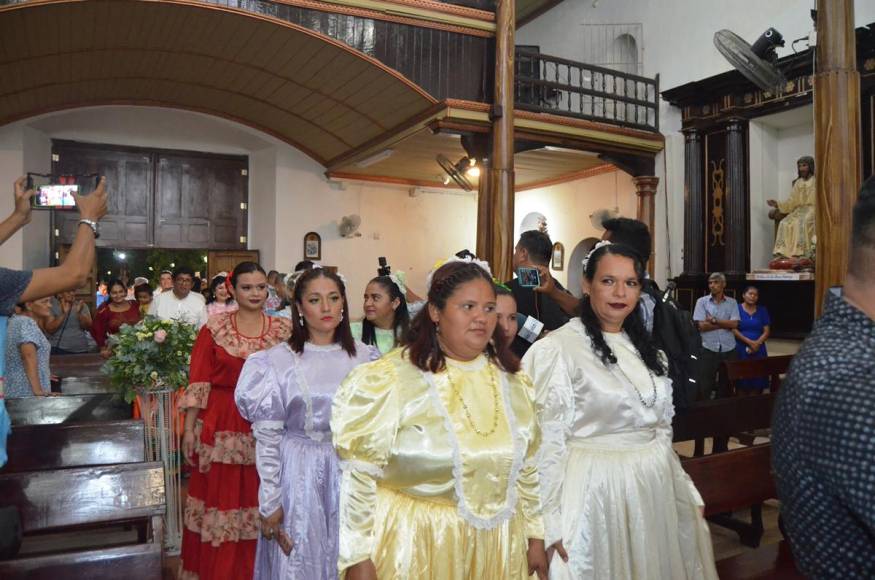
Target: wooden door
{"x":201,"y":201}
{"x":87,"y":292}
{"x":128,"y":172}
{"x":225,"y":261}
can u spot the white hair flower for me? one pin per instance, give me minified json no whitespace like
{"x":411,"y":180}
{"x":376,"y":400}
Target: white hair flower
{"x":484,"y":265}
{"x":598,"y":245}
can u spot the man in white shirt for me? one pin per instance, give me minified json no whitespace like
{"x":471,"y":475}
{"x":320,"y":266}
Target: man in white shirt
{"x":180,"y":303}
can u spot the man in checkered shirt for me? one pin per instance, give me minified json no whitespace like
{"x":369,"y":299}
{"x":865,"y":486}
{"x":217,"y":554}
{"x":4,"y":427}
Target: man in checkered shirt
{"x":824,"y":426}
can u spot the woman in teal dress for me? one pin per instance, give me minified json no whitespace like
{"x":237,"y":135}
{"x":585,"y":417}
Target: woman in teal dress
{"x":386,"y":316}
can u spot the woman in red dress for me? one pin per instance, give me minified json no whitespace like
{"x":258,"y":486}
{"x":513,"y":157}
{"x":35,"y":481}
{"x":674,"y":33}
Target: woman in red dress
{"x":221,"y":510}
{"x":110,"y":317}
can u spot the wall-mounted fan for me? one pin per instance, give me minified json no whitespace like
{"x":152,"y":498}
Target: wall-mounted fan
{"x":454,"y":173}
{"x":757,"y":62}
{"x":600,"y":216}
{"x":349,"y":225}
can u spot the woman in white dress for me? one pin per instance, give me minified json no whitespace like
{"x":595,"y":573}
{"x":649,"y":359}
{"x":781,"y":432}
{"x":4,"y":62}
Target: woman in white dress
{"x":617,"y":503}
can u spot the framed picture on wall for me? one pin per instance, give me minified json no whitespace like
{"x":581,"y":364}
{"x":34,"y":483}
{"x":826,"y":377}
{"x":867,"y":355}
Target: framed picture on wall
{"x":558,"y":256}
{"x":312,"y":246}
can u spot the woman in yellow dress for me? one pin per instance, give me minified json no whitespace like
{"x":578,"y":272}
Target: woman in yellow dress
{"x":437,"y":443}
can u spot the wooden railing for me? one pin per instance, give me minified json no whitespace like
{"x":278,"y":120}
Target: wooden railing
{"x":550,"y":84}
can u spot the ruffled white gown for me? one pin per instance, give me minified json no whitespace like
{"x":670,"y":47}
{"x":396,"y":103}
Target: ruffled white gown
{"x":612,"y":487}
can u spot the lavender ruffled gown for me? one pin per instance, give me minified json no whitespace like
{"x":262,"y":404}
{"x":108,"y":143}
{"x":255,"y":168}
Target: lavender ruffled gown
{"x":287,"y":397}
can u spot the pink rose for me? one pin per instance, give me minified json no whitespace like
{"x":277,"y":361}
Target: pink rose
{"x":160,"y":336}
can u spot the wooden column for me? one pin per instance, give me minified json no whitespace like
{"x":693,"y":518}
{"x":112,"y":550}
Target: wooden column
{"x":694,"y":204}
{"x":645,"y":188}
{"x":484,"y":215}
{"x":495,"y":238}
{"x":735,"y":202}
{"x":836,"y":141}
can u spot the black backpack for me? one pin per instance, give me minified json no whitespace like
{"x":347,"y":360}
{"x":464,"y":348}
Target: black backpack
{"x":675,"y":333}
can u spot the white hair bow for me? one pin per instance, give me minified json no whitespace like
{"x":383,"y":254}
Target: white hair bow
{"x":598,"y":245}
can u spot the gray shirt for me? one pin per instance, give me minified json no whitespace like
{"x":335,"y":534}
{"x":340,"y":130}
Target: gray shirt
{"x":722,"y":339}
{"x":69,"y":336}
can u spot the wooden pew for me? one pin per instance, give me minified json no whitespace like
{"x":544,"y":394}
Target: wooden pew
{"x":773,"y":367}
{"x":84,"y":496}
{"x":721,"y":418}
{"x":733,"y":481}
{"x":42,"y":447}
{"x":86,"y":386}
{"x":67,"y":409}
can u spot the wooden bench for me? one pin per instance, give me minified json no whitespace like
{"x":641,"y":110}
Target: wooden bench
{"x":42,"y":447}
{"x":773,"y":367}
{"x":733,"y":481}
{"x":86,"y":386}
{"x":82,"y":497}
{"x":67,"y":409}
{"x":721,"y":418}
{"x":772,"y":562}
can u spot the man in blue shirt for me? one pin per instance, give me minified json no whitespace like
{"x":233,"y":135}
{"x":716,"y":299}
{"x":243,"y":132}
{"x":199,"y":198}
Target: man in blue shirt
{"x":716,"y":315}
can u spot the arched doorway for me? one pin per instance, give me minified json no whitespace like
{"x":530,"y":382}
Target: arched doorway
{"x":575,"y":264}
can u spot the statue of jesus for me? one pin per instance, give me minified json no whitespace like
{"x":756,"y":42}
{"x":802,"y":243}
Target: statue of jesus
{"x":796,"y":231}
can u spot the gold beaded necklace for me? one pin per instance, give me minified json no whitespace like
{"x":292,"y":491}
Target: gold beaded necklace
{"x":495,"y":401}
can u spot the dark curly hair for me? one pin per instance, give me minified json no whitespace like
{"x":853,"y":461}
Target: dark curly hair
{"x":633,"y":325}
{"x":300,"y":333}
{"x":422,"y":343}
{"x":401,"y":321}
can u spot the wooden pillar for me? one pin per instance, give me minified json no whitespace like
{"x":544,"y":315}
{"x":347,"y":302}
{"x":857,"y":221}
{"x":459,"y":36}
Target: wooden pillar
{"x":484,"y":215}
{"x":836,"y":141}
{"x":645,"y":188}
{"x":735,"y":202}
{"x":498,"y":242}
{"x":694,"y":204}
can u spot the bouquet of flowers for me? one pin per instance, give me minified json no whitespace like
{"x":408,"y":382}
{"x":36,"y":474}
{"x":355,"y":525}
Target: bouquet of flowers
{"x":151,"y":355}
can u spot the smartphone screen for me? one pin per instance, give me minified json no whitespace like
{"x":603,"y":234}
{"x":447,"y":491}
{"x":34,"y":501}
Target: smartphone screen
{"x":55,"y":196}
{"x":528,"y":277}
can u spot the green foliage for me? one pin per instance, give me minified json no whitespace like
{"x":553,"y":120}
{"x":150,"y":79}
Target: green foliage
{"x":142,"y":360}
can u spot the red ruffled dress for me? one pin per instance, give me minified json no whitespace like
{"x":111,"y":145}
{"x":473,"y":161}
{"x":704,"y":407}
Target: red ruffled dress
{"x":221,"y":510}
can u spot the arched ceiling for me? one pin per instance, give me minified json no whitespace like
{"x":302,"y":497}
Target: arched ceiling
{"x":304,"y":88}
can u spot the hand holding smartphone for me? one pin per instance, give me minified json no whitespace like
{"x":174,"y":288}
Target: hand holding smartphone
{"x":528,"y":277}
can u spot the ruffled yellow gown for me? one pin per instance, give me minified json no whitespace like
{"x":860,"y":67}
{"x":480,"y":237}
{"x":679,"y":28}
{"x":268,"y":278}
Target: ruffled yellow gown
{"x":439,"y":474}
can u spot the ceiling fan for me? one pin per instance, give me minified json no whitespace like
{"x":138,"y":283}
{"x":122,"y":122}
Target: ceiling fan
{"x":453,"y":171}
{"x":758,"y":62}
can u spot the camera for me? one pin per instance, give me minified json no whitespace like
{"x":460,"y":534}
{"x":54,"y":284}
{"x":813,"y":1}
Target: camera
{"x":385,"y":269}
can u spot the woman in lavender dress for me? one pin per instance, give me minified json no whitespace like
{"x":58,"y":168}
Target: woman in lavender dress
{"x":287,"y":392}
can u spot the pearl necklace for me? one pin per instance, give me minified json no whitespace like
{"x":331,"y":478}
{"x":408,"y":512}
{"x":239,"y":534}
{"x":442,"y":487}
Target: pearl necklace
{"x":495,"y":397}
{"x":647,"y":404}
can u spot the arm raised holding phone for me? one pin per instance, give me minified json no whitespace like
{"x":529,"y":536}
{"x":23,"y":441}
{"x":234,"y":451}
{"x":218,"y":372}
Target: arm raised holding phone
{"x":73,"y":273}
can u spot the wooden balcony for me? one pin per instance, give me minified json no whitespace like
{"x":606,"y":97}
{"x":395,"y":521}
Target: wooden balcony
{"x":549,"y":84}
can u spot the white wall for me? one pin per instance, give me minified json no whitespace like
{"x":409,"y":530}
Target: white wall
{"x":567,"y":207}
{"x":11,"y":168}
{"x":412,"y":232}
{"x":37,"y":157}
